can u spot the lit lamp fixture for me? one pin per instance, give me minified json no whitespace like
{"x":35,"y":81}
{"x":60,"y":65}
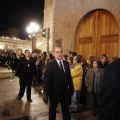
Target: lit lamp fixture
{"x":1,"y":47}
{"x":39,"y":44}
{"x":32,"y":29}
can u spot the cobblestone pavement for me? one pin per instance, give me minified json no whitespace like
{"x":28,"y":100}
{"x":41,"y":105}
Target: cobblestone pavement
{"x":13,"y":109}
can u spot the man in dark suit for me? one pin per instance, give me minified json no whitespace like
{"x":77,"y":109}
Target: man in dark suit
{"x":109,"y":106}
{"x":58,"y":85}
{"x":26,"y":69}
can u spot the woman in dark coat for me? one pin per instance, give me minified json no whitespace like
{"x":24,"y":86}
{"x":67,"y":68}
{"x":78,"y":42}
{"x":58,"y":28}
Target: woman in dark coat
{"x":14,"y":62}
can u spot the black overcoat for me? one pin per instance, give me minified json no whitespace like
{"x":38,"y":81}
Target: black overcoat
{"x":109,"y":107}
{"x":58,"y":83}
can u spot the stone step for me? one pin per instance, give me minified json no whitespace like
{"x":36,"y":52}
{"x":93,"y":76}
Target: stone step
{"x":4,"y":73}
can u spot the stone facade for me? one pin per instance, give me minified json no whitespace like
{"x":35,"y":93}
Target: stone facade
{"x":15,"y":45}
{"x":63,"y":17}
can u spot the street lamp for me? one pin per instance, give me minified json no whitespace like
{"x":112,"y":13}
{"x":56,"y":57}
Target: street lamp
{"x":32,"y":29}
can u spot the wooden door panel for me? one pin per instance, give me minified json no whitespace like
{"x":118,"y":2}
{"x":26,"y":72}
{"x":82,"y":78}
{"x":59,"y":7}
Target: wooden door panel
{"x":115,"y":51}
{"x":98,"y":34}
{"x":108,"y":24}
{"x":110,"y":49}
{"x":86,"y":29}
{"x":86,"y":49}
{"x":102,"y":48}
{"x":84,"y":39}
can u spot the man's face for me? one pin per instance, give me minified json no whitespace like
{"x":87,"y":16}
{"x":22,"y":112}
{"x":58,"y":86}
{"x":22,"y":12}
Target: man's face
{"x":27,"y":54}
{"x":103,"y":59}
{"x":95,"y":65}
{"x":88,"y":61}
{"x":58,"y":53}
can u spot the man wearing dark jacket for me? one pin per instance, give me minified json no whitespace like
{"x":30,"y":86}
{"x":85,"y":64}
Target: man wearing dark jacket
{"x":26,"y":69}
{"x":58,"y":85}
{"x":109,"y":106}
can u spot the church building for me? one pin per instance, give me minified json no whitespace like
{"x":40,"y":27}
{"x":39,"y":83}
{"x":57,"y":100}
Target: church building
{"x":88,"y":27}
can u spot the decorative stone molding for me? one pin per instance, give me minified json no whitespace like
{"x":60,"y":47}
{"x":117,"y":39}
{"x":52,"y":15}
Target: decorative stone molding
{"x":15,"y":45}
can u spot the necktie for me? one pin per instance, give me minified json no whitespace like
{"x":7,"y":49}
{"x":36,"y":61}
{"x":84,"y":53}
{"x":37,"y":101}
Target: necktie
{"x":61,"y":66}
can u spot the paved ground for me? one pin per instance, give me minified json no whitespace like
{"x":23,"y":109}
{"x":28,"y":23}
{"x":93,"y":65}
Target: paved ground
{"x":4,"y":73}
{"x":13,"y":109}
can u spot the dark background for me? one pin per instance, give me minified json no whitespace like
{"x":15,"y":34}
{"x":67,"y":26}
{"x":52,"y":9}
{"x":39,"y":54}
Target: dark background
{"x":19,"y":13}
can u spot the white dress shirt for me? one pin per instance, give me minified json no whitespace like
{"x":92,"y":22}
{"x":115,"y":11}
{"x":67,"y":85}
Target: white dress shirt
{"x":58,"y":61}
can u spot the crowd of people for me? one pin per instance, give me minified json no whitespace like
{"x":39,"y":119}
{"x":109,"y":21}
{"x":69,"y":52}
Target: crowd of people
{"x":75,"y":82}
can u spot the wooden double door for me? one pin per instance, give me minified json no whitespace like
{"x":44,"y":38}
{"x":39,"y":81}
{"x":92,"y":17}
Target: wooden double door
{"x":98,"y":34}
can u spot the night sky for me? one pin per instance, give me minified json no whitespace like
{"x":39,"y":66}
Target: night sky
{"x":19,"y":13}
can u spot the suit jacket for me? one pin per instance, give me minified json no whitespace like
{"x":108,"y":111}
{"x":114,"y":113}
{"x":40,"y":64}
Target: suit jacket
{"x":109,"y":107}
{"x":57,"y":82}
{"x":22,"y":67}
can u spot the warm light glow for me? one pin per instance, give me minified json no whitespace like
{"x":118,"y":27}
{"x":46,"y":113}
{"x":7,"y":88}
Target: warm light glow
{"x":42,"y":91}
{"x":39,"y":43}
{"x":29,"y":36}
{"x":32,"y":28}
{"x":1,"y":47}
{"x":30,"y":50}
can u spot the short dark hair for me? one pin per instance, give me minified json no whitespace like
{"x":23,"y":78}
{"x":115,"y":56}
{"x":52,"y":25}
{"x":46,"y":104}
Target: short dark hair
{"x":83,"y":60}
{"x":51,"y":56}
{"x":65,"y":56}
{"x":97,"y":61}
{"x":45,"y":53}
{"x":91,"y":59}
{"x":27,"y":50}
{"x":105,"y":55}
{"x":70,"y":59}
{"x":73,"y":54}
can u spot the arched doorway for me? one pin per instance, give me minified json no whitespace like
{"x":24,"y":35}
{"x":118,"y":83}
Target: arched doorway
{"x":97,"y":34}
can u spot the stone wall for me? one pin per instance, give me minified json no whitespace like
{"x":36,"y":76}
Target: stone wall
{"x":48,"y":22}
